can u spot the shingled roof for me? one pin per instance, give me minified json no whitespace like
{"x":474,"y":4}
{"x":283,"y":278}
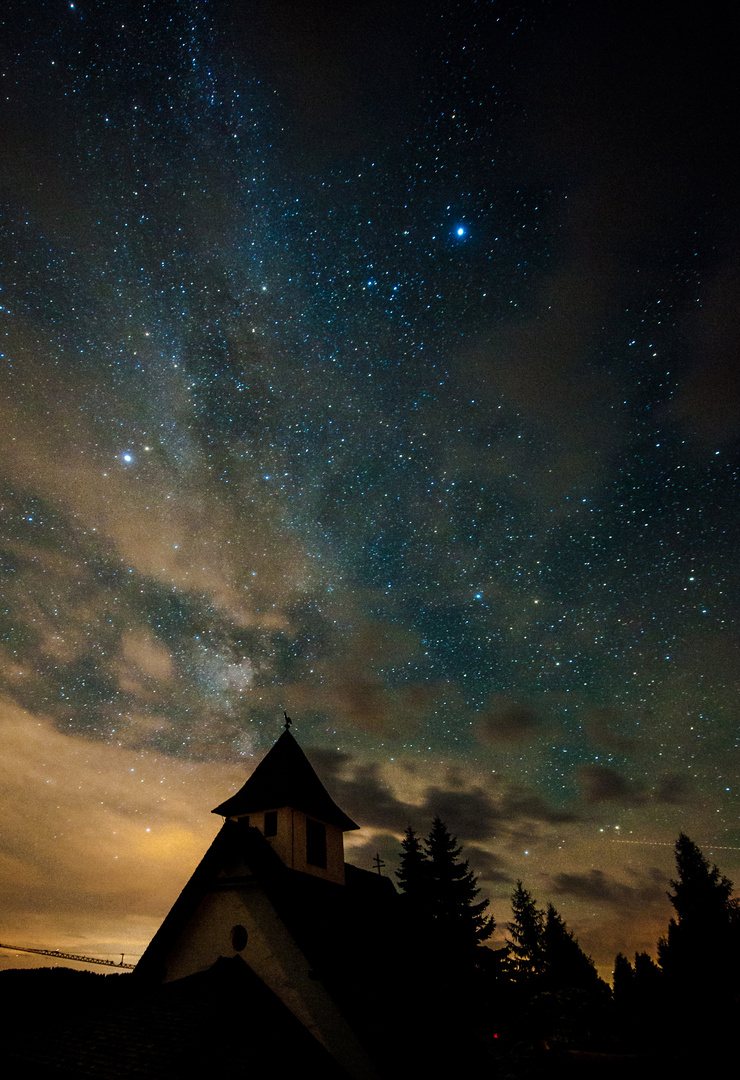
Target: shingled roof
{"x":285,"y":777}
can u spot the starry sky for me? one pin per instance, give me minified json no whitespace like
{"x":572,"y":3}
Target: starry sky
{"x":375,"y":362}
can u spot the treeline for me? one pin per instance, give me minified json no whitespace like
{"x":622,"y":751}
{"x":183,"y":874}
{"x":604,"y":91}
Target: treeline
{"x":541,"y":990}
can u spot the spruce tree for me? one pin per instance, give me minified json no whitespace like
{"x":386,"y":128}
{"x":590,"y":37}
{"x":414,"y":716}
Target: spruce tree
{"x":701,"y":946}
{"x":453,"y":890}
{"x":527,"y":929}
{"x":701,"y":894}
{"x":441,"y":891}
{"x":412,"y":873}
{"x":624,"y":985}
{"x":566,"y":964}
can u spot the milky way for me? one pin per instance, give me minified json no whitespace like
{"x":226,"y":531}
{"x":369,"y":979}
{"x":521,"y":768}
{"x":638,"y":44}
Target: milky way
{"x":377,"y":367}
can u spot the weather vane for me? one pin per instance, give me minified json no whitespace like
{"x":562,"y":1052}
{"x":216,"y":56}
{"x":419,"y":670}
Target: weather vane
{"x":288,"y":721}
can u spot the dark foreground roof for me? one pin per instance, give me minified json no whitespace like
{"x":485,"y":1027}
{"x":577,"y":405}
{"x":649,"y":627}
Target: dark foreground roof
{"x":285,"y":777}
{"x":222,"y":1022}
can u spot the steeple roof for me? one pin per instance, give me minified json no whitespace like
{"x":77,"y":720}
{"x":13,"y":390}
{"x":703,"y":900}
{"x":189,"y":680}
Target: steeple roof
{"x":285,"y":777}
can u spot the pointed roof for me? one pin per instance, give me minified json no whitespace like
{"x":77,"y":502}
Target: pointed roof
{"x":285,"y":777}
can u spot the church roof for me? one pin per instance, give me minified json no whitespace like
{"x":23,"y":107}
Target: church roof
{"x":285,"y":777}
{"x":223,"y":1021}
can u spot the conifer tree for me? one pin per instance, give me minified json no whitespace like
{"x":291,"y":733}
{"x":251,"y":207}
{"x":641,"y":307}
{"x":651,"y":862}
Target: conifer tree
{"x":453,"y":890}
{"x":699,"y":955}
{"x":566,"y":964}
{"x":624,"y":983}
{"x":527,"y":929}
{"x":701,"y":893}
{"x":442,"y":890}
{"x":703,"y":938}
{"x":412,"y":874}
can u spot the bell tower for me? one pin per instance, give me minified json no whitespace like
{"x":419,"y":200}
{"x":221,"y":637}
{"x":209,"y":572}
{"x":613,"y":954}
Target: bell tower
{"x":285,"y":800}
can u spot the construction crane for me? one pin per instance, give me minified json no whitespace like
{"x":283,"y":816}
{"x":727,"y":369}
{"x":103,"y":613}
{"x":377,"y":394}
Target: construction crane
{"x":69,"y":956}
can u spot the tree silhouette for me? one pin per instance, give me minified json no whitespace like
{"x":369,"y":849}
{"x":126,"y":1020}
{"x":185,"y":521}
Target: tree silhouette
{"x":700,"y":892}
{"x":560,"y":997}
{"x":442,"y":890}
{"x":639,"y":1002}
{"x":566,"y":964}
{"x":700,"y":953}
{"x":623,"y":982}
{"x":412,"y":872}
{"x":527,"y":929}
{"x":702,"y":937}
{"x":453,"y":889}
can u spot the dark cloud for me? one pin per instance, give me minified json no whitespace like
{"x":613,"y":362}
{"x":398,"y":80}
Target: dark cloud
{"x":487,"y":865}
{"x":361,"y":698}
{"x":601,"y":784}
{"x":508,"y":722}
{"x":525,"y":803}
{"x":328,"y":763}
{"x":611,"y":915}
{"x":610,"y":729}
{"x":469,"y":811}
{"x":520,"y":836}
{"x":539,"y":370}
{"x":363,"y":794}
{"x":470,"y":814}
{"x":674,"y":789}
{"x":596,"y":886}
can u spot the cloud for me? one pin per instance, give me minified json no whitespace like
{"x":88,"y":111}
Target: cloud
{"x":673,"y":789}
{"x":508,"y":722}
{"x":372,"y":800}
{"x":487,"y":865}
{"x":540,"y":369}
{"x":345,"y":73}
{"x":98,"y":840}
{"x":169,"y":524}
{"x":601,"y":784}
{"x":469,"y":814}
{"x":527,"y":804}
{"x":605,"y":728}
{"x":352,"y":682}
{"x":391,"y":796}
{"x":596,"y":885}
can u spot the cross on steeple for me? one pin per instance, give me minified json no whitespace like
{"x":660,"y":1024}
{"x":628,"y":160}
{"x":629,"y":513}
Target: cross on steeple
{"x":288,"y":721}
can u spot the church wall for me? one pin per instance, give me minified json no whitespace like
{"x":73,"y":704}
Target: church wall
{"x":290,"y":843}
{"x":272,"y":954}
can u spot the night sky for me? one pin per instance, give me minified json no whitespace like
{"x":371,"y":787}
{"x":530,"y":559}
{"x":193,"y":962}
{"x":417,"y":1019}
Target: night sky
{"x":375,"y":362}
